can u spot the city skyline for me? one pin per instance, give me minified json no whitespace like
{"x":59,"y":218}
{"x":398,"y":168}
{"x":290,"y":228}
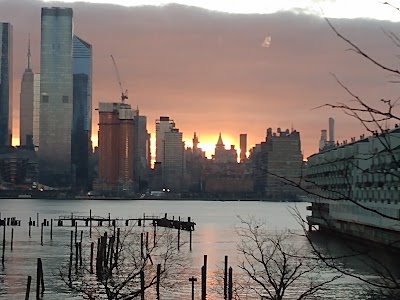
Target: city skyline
{"x":220,"y":80}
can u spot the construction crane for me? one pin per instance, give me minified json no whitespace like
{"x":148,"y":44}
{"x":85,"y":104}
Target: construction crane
{"x":124,"y":95}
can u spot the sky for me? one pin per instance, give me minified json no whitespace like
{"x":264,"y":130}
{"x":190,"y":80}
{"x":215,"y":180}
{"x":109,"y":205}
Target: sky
{"x":231,"y":66}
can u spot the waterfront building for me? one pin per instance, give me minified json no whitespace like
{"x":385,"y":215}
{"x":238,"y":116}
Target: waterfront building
{"x":116,"y":135}
{"x":222,"y":155}
{"x":6,"y":87}
{"x":18,"y":168}
{"x":56,"y":89}
{"x":353,"y":186}
{"x":164,"y":124}
{"x":243,"y":146}
{"x":277,"y":165}
{"x":82,"y":112}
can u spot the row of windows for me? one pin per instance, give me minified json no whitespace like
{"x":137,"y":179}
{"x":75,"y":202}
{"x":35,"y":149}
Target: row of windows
{"x":45,"y":99}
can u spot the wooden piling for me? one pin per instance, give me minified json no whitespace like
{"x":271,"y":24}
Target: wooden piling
{"x":226,"y":277}
{"x":90,"y":224}
{"x":39,"y":279}
{"x":30,"y":224}
{"x":28,"y":287}
{"x":81,"y":236}
{"x":91,"y":257}
{"x":230,"y":284}
{"x":192,"y":280}
{"x":154,"y":233}
{"x":4,"y":242}
{"x":179,"y":232}
{"x":76,"y":257}
{"x":109,"y":219}
{"x":12,"y":238}
{"x":141,"y":245}
{"x":204,"y":279}
{"x":51,"y":229}
{"x":41,"y":234}
{"x":80,"y":254}
{"x":117,"y":247}
{"x":37,"y":219}
{"x":76,"y":232}
{"x":72,"y":238}
{"x":190,"y":235}
{"x":70,"y":270}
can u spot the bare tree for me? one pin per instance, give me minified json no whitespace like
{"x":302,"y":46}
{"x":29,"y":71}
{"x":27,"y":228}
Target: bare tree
{"x":274,"y":266}
{"x":127,"y":265}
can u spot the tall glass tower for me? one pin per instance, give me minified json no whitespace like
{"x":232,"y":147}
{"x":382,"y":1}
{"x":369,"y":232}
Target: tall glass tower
{"x":56,"y":91}
{"x":5,"y":84}
{"x":82,"y":112}
{"x":26,"y":104}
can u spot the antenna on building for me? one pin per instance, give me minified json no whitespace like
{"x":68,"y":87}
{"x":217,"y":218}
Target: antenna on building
{"x":29,"y":52}
{"x":124,"y":95}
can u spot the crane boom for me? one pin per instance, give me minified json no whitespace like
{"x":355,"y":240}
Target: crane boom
{"x":124,"y":95}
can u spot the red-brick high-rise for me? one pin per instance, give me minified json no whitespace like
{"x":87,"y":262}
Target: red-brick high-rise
{"x":116,"y":135}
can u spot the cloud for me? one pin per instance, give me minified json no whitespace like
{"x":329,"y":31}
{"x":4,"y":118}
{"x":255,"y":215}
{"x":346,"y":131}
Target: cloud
{"x":207,"y":71}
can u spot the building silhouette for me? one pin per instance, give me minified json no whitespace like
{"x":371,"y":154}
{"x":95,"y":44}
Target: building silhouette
{"x":223,"y":155}
{"x":164,"y":124}
{"x":56,"y":89}
{"x":6,"y":88}
{"x":116,"y":132}
{"x":141,"y":146}
{"x":82,"y":112}
{"x":277,"y":165}
{"x":173,"y":168}
{"x":29,"y":105}
{"x":243,"y":146}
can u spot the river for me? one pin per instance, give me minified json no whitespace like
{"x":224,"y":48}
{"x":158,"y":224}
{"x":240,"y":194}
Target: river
{"x":214,"y":236}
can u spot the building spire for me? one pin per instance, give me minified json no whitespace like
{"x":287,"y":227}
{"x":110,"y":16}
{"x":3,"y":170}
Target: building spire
{"x":29,"y":53}
{"x":220,"y":143}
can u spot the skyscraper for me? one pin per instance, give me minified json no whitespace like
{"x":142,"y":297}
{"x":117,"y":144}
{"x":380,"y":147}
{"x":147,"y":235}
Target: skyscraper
{"x":5,"y":84}
{"x":56,"y":103}
{"x":82,"y":111}
{"x":141,"y":162}
{"x":173,"y":159}
{"x":27,"y":104}
{"x":115,"y":147}
{"x":163,"y":125}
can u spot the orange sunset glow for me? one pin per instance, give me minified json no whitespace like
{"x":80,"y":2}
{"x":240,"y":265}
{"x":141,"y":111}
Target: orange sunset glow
{"x":211,"y":72}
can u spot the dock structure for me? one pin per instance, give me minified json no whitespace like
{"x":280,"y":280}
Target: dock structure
{"x":104,"y":221}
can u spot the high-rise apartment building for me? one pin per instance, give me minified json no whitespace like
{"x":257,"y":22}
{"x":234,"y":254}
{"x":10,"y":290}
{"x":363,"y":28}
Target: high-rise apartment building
{"x":163,"y":125}
{"x":56,"y":103}
{"x":277,"y":164}
{"x":116,"y":132}
{"x":82,"y":112}
{"x":5,"y":84}
{"x":173,"y":168}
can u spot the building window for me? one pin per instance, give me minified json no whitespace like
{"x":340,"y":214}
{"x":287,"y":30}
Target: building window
{"x":65,"y":99}
{"x":45,"y":99}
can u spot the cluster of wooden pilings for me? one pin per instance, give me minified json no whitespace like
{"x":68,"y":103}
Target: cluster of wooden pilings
{"x":108,"y":247}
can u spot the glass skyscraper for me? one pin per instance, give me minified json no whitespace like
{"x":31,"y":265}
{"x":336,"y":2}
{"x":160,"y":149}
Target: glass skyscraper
{"x":5,"y":84}
{"x":82,"y":112}
{"x":56,"y":96}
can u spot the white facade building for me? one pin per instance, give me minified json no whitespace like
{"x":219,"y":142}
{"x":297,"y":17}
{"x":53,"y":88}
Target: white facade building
{"x":354,"y":188}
